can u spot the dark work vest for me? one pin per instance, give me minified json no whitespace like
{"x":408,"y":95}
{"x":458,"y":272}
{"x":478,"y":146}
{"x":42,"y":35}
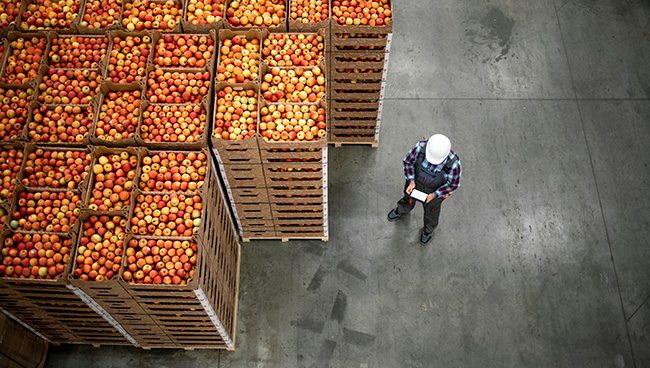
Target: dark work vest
{"x":430,"y":179}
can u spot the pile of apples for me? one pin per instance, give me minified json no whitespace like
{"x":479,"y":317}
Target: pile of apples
{"x":71,"y":86}
{"x":3,"y":216}
{"x":24,"y":60}
{"x":353,"y":12}
{"x":34,"y":256}
{"x":14,"y":110}
{"x":292,"y":122}
{"x":167,"y":262}
{"x":183,"y":51}
{"x":113,"y":181}
{"x":101,"y":14}
{"x":99,"y":253}
{"x":50,"y":14}
{"x":77,"y":52}
{"x":118,"y":115}
{"x":46,"y":211}
{"x":9,"y":12}
{"x":128,"y":59}
{"x":177,"y":87}
{"x":173,"y":123}
{"x":169,"y":171}
{"x":201,"y":12}
{"x":358,"y":70}
{"x":308,"y":11}
{"x":236,"y":114}
{"x":256,"y":13}
{"x":166,"y":215}
{"x":60,"y":124}
{"x":149,"y":15}
{"x":10,"y":163}
{"x":293,"y":85}
{"x":239,"y":60}
{"x":52,"y":168}
{"x":281,"y":49}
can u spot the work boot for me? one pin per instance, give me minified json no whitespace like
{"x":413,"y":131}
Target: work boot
{"x":425,"y":238}
{"x":393,"y":215}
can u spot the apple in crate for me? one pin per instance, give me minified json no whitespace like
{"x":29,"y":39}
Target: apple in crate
{"x":77,"y":52}
{"x":353,"y":12}
{"x":71,"y":86}
{"x":58,"y":124}
{"x":119,"y":115}
{"x":46,"y":211}
{"x":34,"y":256}
{"x":256,"y":13}
{"x":295,"y":85}
{"x":200,"y":12}
{"x":160,"y":261}
{"x":166,"y":214}
{"x":56,"y":168}
{"x":128,"y":59}
{"x":9,"y":12}
{"x":24,"y":60}
{"x":236,"y":114}
{"x":177,"y":87}
{"x":151,"y":15}
{"x":99,"y":252}
{"x":239,"y":60}
{"x":173,"y":171}
{"x":173,"y":123}
{"x":184,"y":51}
{"x":14,"y":111}
{"x":308,"y":11}
{"x":282,"y":49}
{"x":47,"y":14}
{"x":113,"y":181}
{"x":10,"y":164}
{"x":101,"y":14}
{"x":292,"y":122}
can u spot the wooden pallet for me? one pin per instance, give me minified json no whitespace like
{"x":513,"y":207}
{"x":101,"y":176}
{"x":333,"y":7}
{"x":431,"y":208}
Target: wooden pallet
{"x":286,"y":239}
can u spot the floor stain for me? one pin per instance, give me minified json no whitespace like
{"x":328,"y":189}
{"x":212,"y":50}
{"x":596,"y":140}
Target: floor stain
{"x":357,"y":337}
{"x":340,"y":305}
{"x":493,"y":31}
{"x":309,"y":324}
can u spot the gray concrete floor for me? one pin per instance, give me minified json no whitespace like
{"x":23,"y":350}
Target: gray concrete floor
{"x":542,"y":258}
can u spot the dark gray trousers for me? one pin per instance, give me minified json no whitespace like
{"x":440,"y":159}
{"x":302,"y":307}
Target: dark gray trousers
{"x":431,"y":209}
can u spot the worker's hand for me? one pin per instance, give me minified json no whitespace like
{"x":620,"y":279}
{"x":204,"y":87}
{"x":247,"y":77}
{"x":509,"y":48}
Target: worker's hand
{"x":430,"y":197}
{"x":410,"y":188}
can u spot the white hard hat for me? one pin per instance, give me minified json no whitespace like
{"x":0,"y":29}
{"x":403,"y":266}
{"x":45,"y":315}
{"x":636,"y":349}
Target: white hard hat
{"x":438,"y":148}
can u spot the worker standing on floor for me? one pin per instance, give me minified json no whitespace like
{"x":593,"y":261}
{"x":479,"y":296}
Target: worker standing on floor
{"x":432,"y":173}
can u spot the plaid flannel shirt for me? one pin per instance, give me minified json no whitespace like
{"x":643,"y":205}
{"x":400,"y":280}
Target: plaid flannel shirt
{"x":453,"y":177}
